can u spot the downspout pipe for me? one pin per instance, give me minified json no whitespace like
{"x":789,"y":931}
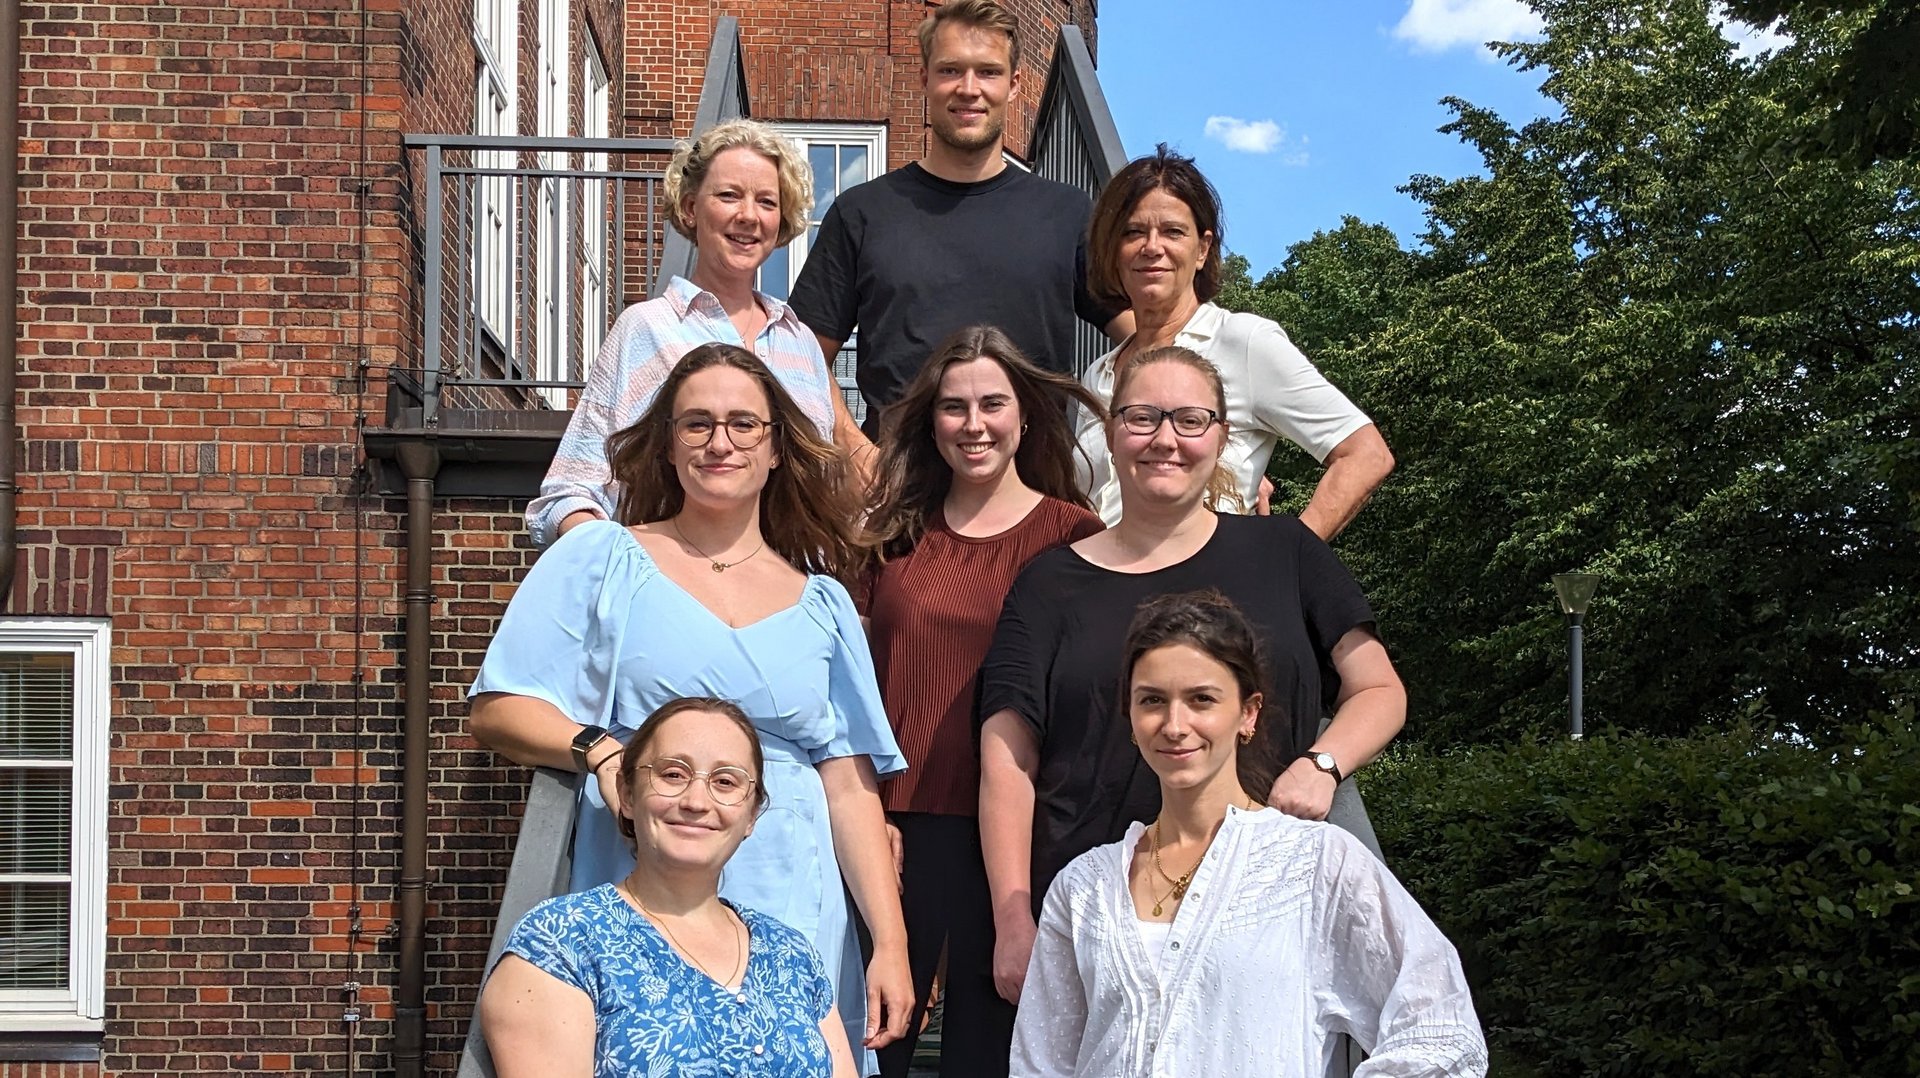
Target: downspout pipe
{"x":10,"y":59}
{"x":420,"y":464}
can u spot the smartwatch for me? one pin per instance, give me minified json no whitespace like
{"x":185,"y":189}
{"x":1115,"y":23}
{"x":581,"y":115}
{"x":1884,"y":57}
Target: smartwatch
{"x":584,"y":742}
{"x":1323,"y":761}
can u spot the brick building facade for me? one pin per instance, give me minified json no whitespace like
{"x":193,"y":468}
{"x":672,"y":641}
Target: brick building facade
{"x":219,"y":266}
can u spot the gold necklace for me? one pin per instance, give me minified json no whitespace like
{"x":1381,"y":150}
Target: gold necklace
{"x":718,"y":566}
{"x":1179,"y":888}
{"x":739,"y":951}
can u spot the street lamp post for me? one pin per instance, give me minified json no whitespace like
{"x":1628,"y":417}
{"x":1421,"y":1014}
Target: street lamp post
{"x":1575,"y":591}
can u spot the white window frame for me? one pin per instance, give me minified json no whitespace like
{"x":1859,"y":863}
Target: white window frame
{"x":596,"y":263}
{"x":496,"y":46}
{"x":81,"y":1006}
{"x":872,"y":136}
{"x":552,"y":242}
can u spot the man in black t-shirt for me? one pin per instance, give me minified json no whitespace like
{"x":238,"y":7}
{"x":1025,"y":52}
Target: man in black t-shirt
{"x":957,"y":238}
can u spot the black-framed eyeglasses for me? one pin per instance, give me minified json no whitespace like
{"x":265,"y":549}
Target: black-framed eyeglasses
{"x":670,"y":778}
{"x":1189,"y":422}
{"x":695,"y":429}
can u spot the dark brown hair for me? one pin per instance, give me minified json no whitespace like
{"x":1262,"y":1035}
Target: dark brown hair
{"x":980,"y":14}
{"x":1208,"y":622}
{"x":1223,"y":491}
{"x":809,"y":505}
{"x":1163,"y":170}
{"x":912,"y":478}
{"x":636,"y":749}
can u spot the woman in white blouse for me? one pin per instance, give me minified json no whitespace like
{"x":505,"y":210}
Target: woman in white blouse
{"x":1153,"y":245}
{"x":1224,"y":938}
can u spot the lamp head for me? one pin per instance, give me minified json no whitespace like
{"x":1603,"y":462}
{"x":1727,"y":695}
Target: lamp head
{"x":1575,"y":591}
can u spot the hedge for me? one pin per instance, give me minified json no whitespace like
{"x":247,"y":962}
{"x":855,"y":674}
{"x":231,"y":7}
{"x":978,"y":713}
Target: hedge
{"x":1729,"y":904}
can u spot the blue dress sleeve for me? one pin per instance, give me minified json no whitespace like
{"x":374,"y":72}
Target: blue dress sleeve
{"x":560,"y":638}
{"x":860,"y":726}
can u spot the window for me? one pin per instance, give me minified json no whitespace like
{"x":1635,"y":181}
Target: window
{"x":841,"y":156}
{"x":496,"y":30}
{"x":53,"y":823}
{"x":596,"y":219}
{"x":551,"y":259}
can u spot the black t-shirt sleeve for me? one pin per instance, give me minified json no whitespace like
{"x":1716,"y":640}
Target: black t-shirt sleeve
{"x":825,"y":297}
{"x":1331,"y":603}
{"x":1014,"y":675}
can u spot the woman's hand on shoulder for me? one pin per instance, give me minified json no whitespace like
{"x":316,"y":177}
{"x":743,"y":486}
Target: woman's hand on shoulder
{"x":1303,"y":790}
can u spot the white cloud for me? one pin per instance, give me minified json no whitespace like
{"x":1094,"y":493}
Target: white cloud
{"x":1246,"y":136}
{"x":1438,"y":25}
{"x":1749,"y":40}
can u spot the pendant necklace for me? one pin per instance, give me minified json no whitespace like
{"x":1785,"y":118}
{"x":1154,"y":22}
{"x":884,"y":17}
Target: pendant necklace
{"x":718,"y":566}
{"x":739,"y":952}
{"x":1179,"y":889}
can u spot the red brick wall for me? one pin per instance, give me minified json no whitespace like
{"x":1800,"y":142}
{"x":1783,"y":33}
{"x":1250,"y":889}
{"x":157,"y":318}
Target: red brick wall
{"x":201,"y":285}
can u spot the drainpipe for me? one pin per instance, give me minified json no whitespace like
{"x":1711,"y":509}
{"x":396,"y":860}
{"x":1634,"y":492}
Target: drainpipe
{"x":419,"y":463}
{"x":9,"y":285}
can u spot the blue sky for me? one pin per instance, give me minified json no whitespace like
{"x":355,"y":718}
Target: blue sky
{"x":1302,"y":111}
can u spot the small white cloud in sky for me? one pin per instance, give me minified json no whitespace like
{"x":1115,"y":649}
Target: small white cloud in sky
{"x":1438,"y":25}
{"x":1246,"y":136}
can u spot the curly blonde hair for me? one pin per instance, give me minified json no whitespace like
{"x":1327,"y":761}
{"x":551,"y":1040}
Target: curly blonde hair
{"x":691,"y":160}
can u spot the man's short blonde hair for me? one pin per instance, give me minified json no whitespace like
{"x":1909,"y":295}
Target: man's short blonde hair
{"x":691,"y":160}
{"x":981,"y":14}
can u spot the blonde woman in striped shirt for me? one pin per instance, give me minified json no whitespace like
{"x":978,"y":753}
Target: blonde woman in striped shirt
{"x":740,"y":192}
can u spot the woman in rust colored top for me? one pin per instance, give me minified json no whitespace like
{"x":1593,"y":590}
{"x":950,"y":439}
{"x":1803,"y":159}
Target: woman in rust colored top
{"x":976,"y":479}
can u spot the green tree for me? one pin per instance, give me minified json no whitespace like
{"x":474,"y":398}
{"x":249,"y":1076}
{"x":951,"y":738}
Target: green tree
{"x":1649,"y":342}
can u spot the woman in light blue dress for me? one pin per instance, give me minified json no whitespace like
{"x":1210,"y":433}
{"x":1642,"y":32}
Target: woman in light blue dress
{"x":725,"y":586}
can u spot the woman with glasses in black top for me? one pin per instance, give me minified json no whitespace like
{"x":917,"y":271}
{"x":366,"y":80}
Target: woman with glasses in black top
{"x":1058,"y":776}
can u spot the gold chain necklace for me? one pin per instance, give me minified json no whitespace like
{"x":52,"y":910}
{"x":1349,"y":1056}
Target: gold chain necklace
{"x":718,"y":566}
{"x":739,"y":951}
{"x":1179,"y":888}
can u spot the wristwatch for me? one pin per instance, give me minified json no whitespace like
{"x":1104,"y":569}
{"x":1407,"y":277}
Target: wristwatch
{"x":1323,"y":761}
{"x":584,"y":742}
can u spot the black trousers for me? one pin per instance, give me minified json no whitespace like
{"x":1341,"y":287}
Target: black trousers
{"x":947,"y":907}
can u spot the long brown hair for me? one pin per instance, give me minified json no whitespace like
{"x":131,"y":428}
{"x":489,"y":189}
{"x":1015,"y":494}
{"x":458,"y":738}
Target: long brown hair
{"x":1223,"y":491}
{"x":1209,"y":623}
{"x":808,"y":507}
{"x":643,"y":738}
{"x":912,"y":478}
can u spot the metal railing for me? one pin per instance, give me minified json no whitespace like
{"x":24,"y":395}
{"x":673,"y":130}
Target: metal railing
{"x":530,"y":247}
{"x":1075,"y":142}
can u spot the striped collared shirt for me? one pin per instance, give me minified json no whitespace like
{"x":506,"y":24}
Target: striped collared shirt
{"x":640,"y":351}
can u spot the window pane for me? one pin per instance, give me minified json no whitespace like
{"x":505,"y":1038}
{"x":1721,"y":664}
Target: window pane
{"x":36,"y":706}
{"x":821,"y":159}
{"x":33,"y":935}
{"x":853,"y":166}
{"x":36,"y":819}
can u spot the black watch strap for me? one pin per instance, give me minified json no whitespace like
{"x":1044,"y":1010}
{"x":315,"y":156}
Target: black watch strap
{"x":584,"y":742}
{"x":1324,"y":762}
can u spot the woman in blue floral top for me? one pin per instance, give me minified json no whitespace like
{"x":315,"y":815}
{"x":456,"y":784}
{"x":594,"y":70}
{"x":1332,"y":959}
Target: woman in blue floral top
{"x":656,"y":976}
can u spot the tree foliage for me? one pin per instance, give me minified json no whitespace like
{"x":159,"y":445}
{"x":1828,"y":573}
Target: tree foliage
{"x":1650,"y":342}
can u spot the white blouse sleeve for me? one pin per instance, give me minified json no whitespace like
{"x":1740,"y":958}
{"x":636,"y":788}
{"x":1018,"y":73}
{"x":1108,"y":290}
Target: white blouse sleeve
{"x":1384,"y":975}
{"x":1052,"y":1019}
